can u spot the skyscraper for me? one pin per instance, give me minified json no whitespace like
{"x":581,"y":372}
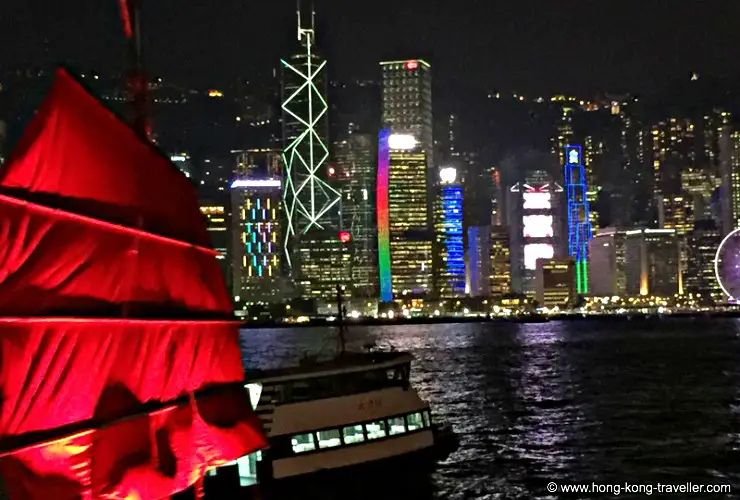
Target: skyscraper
{"x":407,"y":110}
{"x":404,"y":238}
{"x":579,"y":221}
{"x":607,"y":263}
{"x":310,"y":201}
{"x":500,"y":264}
{"x":703,"y":242}
{"x":255,"y":238}
{"x":407,"y":101}
{"x":356,"y":172}
{"x":450,"y":270}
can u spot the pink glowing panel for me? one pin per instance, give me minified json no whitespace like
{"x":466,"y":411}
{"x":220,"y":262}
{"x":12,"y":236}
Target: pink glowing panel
{"x":535,"y":251}
{"x":536,"y":201}
{"x":537,"y":226}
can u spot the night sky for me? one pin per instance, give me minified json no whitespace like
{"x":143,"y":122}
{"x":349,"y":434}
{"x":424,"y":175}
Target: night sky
{"x":536,"y":46}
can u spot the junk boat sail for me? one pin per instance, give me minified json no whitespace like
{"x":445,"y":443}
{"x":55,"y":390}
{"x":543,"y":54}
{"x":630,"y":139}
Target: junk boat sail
{"x":121,"y":374}
{"x":344,"y":418}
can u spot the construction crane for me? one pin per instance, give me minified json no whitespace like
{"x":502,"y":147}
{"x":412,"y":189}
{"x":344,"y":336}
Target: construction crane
{"x":137,"y":87}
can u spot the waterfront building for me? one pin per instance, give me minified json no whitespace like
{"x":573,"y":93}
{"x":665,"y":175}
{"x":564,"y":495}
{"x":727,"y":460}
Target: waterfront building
{"x":607,"y":260}
{"x":653,"y":262}
{"x":579,"y":221}
{"x":450,"y":268}
{"x":217,"y":215}
{"x":479,"y":261}
{"x":555,"y":282}
{"x":256,"y":239}
{"x":703,"y":242}
{"x":311,"y":200}
{"x":404,"y":239}
{"x":356,"y":172}
{"x":500,"y":262}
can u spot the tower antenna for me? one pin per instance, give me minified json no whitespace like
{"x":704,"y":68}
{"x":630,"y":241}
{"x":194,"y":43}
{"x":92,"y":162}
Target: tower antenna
{"x":298,"y":17}
{"x":313,"y":16}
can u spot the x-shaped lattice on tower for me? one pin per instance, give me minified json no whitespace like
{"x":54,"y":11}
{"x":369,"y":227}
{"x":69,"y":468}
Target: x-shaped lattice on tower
{"x":306,"y":196}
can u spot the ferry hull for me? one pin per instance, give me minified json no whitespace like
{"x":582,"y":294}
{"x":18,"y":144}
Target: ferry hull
{"x":406,"y":476}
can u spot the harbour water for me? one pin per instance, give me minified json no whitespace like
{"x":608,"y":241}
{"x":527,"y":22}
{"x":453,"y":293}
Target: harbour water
{"x":638,"y":402}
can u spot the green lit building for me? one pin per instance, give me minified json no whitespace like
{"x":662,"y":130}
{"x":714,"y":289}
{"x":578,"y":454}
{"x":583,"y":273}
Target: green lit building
{"x":311,"y":200}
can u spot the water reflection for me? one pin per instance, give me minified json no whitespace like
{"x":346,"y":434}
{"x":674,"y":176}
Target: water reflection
{"x":569,"y":402}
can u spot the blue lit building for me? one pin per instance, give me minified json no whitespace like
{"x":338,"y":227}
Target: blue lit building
{"x":450,"y":272}
{"x":579,"y":223}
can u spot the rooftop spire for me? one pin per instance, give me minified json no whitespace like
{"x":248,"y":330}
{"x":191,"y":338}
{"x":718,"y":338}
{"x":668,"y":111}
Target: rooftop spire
{"x":305,"y":35}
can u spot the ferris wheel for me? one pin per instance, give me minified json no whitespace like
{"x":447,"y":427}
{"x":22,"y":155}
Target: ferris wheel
{"x":727,"y":265}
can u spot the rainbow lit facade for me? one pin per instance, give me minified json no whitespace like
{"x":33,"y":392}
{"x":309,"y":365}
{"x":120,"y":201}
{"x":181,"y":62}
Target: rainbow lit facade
{"x":579,"y":223}
{"x":384,"y":244}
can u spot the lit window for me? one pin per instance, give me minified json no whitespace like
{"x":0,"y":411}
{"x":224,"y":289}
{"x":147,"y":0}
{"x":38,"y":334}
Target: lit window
{"x":414,"y":421}
{"x":375,"y":430}
{"x":353,"y":434}
{"x":303,"y":442}
{"x":329,"y":439}
{"x":396,"y":426}
{"x":427,"y":420}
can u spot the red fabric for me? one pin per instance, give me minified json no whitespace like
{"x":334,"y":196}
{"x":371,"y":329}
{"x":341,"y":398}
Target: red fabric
{"x":52,"y":261}
{"x":95,"y":223}
{"x":67,"y":371}
{"x":77,"y":155}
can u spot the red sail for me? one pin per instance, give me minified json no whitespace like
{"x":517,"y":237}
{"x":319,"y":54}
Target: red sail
{"x":95,"y":225}
{"x":78,"y":156}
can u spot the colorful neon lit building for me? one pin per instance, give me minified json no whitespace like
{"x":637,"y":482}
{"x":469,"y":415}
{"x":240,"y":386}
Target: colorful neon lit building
{"x":381,"y":193}
{"x":256,"y":239}
{"x":579,"y":222}
{"x":310,"y":201}
{"x":405,"y":261}
{"x":449,"y":232}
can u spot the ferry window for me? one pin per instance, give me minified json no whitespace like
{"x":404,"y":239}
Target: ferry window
{"x":303,"y":442}
{"x":329,"y":438}
{"x":375,"y":430}
{"x":414,"y":421}
{"x":427,"y":420}
{"x":353,"y":434}
{"x":396,"y":426}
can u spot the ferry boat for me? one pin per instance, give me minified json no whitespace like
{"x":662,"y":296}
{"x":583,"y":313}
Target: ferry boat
{"x":345,"y":418}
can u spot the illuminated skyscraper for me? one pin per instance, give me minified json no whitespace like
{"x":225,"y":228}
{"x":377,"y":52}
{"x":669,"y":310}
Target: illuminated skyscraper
{"x":310,"y":202}
{"x":404,"y":242}
{"x":450,"y":279}
{"x":579,"y":221}
{"x":256,"y":163}
{"x":703,"y":242}
{"x":479,"y":262}
{"x":535,"y":225}
{"x":217,"y":223}
{"x":325,"y":264}
{"x":500,"y":264}
{"x":407,"y":109}
{"x":407,"y":101}
{"x":256,"y":240}
{"x":356,"y":172}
